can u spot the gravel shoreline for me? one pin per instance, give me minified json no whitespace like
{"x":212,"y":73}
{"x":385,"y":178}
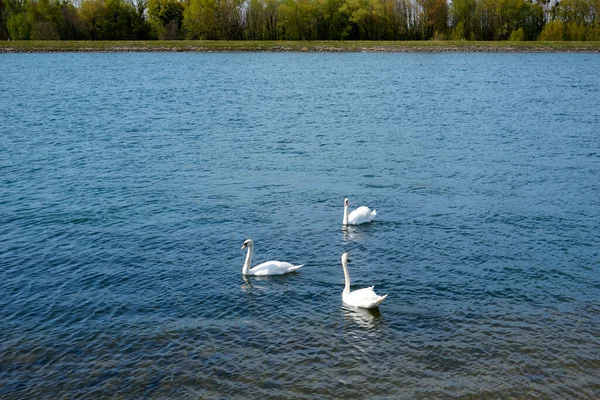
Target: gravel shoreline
{"x":345,"y":48}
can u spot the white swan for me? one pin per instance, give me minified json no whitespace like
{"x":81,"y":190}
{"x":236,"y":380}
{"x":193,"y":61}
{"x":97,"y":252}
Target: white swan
{"x":266,"y":268}
{"x":359,"y":216}
{"x":364,"y":298}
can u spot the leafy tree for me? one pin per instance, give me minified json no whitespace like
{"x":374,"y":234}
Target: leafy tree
{"x":47,"y":18}
{"x":553,"y":30}
{"x":112,"y":20}
{"x":573,"y":20}
{"x":93,"y":14}
{"x":39,"y":20}
{"x":229,"y":19}
{"x":517,"y":35}
{"x":297,"y":20}
{"x":404,"y":20}
{"x":532,"y":20}
{"x":200,"y":19}
{"x":301,"y":19}
{"x":73,"y":27}
{"x":19,"y":26}
{"x":272,"y":18}
{"x":358,"y":15}
{"x":594,"y":29}
{"x":166,"y":18}
{"x":4,"y":14}
{"x":255,"y":19}
{"x":506,"y":15}
{"x":434,"y":17}
{"x":462,"y":13}
{"x":122,"y":21}
{"x":498,"y":19}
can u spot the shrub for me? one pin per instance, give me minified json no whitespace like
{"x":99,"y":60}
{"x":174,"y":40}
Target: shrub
{"x":554,"y":30}
{"x":517,"y":35}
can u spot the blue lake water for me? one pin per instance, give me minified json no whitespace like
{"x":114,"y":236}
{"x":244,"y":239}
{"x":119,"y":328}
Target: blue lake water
{"x":130,"y":181}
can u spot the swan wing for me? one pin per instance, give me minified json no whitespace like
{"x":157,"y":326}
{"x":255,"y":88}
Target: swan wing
{"x":273,"y":268}
{"x":364,"y":298}
{"x":361,"y":215}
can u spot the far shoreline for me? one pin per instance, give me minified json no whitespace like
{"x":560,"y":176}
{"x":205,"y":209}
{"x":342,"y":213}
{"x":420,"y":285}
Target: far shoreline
{"x":203,"y":46}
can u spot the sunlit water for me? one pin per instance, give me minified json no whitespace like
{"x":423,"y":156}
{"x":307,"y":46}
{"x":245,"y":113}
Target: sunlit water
{"x":130,"y":181}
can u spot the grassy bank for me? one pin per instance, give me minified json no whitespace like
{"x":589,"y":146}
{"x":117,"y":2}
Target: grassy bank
{"x":301,"y":46}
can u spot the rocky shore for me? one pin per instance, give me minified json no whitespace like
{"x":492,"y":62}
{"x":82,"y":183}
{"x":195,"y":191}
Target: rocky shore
{"x":249,"y":46}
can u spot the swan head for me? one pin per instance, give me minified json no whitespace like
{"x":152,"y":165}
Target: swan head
{"x":346,"y":201}
{"x":345,"y":257}
{"x":247,"y":243}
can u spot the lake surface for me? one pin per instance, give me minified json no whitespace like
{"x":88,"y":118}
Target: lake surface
{"x":130,"y":181}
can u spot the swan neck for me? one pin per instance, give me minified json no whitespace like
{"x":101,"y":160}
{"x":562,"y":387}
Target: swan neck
{"x":345,"y":221}
{"x":246,"y":266}
{"x":346,"y":278}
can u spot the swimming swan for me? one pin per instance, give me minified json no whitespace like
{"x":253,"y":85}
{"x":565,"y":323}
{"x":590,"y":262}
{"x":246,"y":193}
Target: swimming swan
{"x":359,"y":216}
{"x":364,"y":298}
{"x":266,"y":268}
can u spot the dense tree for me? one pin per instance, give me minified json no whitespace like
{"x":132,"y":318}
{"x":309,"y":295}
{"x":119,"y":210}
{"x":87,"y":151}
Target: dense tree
{"x":73,"y":27}
{"x":4,"y":14}
{"x":47,"y":20}
{"x":463,"y":19}
{"x":255,"y":20}
{"x":573,"y":20}
{"x":297,"y":20}
{"x":166,"y":18}
{"x":38,"y":20}
{"x":301,"y":19}
{"x":229,"y":19}
{"x":19,"y":26}
{"x":200,"y":19}
{"x":113,"y":20}
{"x":434,"y":17}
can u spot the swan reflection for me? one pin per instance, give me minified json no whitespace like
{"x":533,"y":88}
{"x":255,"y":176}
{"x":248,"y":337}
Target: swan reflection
{"x":363,"y":317}
{"x":265,"y":283}
{"x":352,"y":234}
{"x":246,"y":286}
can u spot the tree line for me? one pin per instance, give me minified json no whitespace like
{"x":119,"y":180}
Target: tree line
{"x":300,"y":19}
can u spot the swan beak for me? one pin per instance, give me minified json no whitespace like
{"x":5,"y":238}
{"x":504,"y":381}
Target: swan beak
{"x":243,"y":246}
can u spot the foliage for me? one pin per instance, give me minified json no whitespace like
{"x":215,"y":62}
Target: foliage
{"x":200,"y":19}
{"x":514,"y":20}
{"x":462,"y":14}
{"x":518,"y":35}
{"x":554,"y":30}
{"x":19,"y":26}
{"x":166,"y":18}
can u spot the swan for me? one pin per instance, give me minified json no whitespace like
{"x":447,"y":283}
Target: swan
{"x":364,"y":298}
{"x":266,"y":268}
{"x":359,"y":216}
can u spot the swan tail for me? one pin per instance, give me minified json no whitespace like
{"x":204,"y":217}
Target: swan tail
{"x":373,"y":214}
{"x":380,"y":300}
{"x":295,"y":267}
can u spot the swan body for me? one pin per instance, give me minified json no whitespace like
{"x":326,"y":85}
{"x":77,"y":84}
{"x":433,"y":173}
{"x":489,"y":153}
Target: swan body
{"x":266,"y":268}
{"x":359,"y":216}
{"x":363,"y":298}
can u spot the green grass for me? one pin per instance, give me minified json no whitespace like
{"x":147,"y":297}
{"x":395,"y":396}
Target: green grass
{"x":308,"y":46}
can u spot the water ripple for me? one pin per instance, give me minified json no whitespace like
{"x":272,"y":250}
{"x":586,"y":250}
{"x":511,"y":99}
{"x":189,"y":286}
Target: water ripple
{"x":130,"y":181}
